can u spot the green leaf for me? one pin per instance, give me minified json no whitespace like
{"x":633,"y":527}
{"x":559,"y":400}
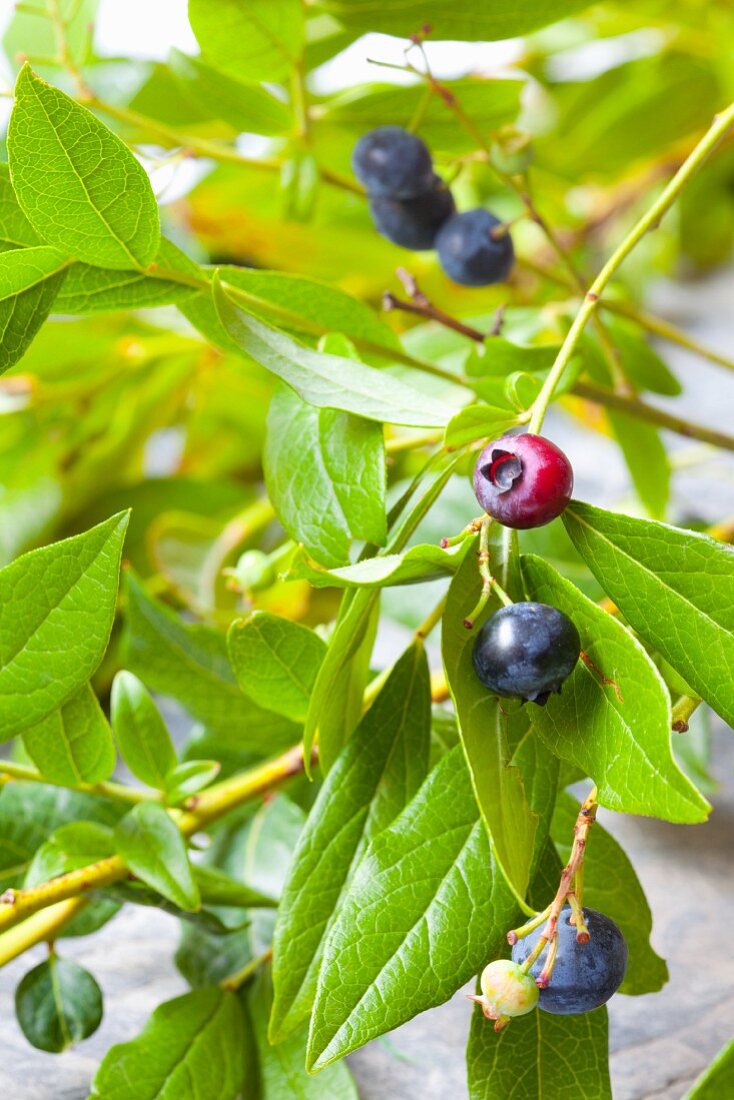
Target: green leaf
{"x":74,"y":743}
{"x":154,"y":850}
{"x":248,"y":107}
{"x":89,"y":289}
{"x":58,"y":1003}
{"x":476,"y":22}
{"x":141,"y":734}
{"x":261,"y":40}
{"x":325,"y":474}
{"x":478,"y":422}
{"x":374,"y":777}
{"x":647,"y":461}
{"x":56,"y":610}
{"x":540,"y":1057}
{"x":612,"y":887}
{"x":428,"y":907}
{"x":306,"y":307}
{"x":716,"y":1081}
{"x":484,"y":731}
{"x":217,"y":888}
{"x":640,"y":362}
{"x":78,"y":184}
{"x":69,"y":847}
{"x":619,"y":733}
{"x":15,"y":229}
{"x":190,"y":664}
{"x":340,"y":711}
{"x":328,"y":381}
{"x":282,"y":1072}
{"x":184,"y":780}
{"x":192,"y":1048}
{"x":419,"y":564}
{"x":673,"y":587}
{"x":29,"y":281}
{"x":32,"y":812}
{"x":276,"y":662}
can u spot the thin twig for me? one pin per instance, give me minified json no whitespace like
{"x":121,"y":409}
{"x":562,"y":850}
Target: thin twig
{"x":422,"y":306}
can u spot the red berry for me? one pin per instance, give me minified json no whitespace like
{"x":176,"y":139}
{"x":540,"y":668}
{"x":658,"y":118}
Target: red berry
{"x":523,"y":480}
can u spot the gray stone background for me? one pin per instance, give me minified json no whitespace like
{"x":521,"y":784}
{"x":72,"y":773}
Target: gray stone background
{"x":660,"y":1042}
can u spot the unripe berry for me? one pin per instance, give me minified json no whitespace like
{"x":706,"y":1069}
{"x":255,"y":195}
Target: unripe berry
{"x":523,"y":480}
{"x":507,"y":991}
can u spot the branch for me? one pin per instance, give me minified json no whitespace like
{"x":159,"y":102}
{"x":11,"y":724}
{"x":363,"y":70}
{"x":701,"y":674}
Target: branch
{"x":208,"y":807}
{"x":648,"y":221}
{"x":632,"y":406}
{"x":117,"y":791}
{"x":421,"y":305}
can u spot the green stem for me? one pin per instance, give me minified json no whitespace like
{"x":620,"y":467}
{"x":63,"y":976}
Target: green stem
{"x":117,"y":791}
{"x":648,"y":221}
{"x":223,"y":154}
{"x":632,"y":406}
{"x":248,"y":971}
{"x":433,"y":619}
{"x":685,"y":707}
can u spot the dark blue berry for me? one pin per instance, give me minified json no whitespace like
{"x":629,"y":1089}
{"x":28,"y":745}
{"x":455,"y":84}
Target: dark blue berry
{"x":413,"y":223}
{"x":391,"y":162}
{"x":469,"y":251}
{"x":585,"y":975}
{"x":526,"y":650}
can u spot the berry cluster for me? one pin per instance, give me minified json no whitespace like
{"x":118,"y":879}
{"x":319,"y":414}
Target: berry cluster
{"x":413,"y":208}
{"x":525,"y":649}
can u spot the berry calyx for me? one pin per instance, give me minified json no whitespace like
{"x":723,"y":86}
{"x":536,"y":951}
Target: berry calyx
{"x":390,"y":161}
{"x":523,"y":480}
{"x":473,"y":249}
{"x":585,"y":974}
{"x":526,"y":649}
{"x":507,"y":991}
{"x":413,"y":223}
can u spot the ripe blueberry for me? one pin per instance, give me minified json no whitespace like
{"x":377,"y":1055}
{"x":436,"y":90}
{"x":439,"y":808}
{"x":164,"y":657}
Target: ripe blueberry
{"x":507,"y":991}
{"x":526,"y":650}
{"x":585,"y":975}
{"x":523,"y":480}
{"x":391,"y":162}
{"x":470,"y":254}
{"x":413,"y":223}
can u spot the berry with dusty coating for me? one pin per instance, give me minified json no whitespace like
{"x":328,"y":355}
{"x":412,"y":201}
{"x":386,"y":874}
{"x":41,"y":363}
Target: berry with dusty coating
{"x":527,"y":650}
{"x":413,"y":223}
{"x":523,"y":480}
{"x":585,"y":975}
{"x":390,"y":161}
{"x":472,"y":249}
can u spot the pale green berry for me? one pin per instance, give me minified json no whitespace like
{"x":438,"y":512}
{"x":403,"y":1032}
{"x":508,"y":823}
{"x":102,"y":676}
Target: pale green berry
{"x":254,"y":571}
{"x":507,"y":990}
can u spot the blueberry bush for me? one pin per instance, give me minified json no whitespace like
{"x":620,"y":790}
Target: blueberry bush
{"x":298,"y":359}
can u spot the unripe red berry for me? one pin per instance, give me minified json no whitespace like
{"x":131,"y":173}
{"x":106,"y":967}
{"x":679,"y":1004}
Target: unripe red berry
{"x":523,"y":480}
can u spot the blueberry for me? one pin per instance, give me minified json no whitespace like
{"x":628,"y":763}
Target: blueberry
{"x":413,"y":223}
{"x":585,"y":975}
{"x":470,"y":254}
{"x":526,"y":650}
{"x":523,"y":480}
{"x":391,"y":162}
